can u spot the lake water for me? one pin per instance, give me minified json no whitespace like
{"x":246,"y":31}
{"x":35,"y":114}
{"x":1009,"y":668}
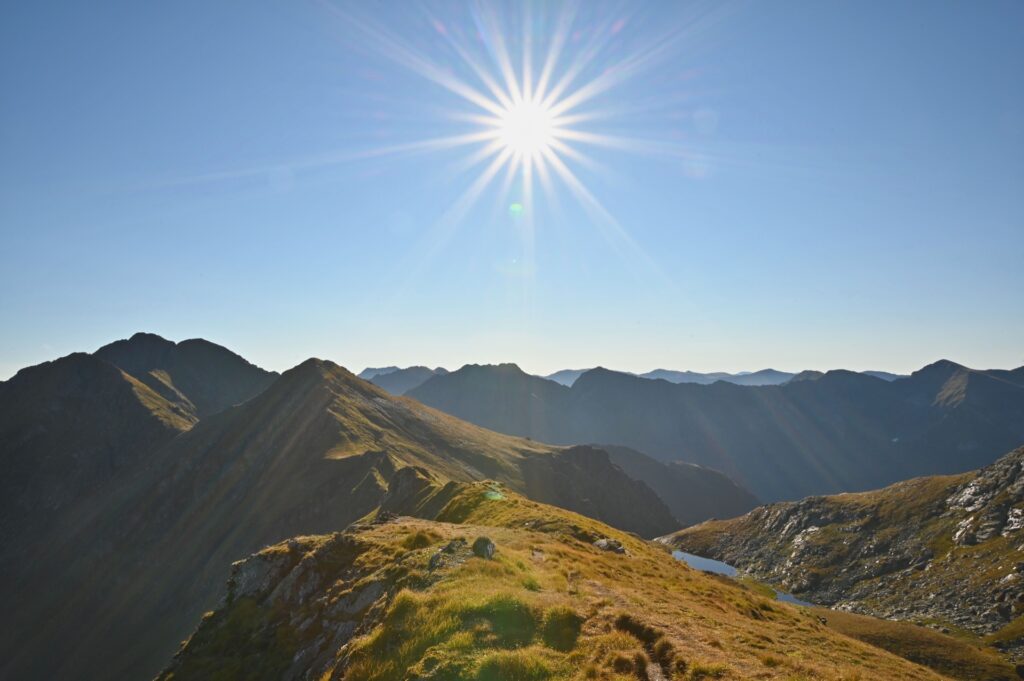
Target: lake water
{"x":720,"y":568}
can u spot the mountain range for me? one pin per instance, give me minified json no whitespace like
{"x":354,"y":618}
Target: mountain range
{"x":763,"y":377}
{"x":136,"y":475}
{"x":834,"y":432}
{"x":399,"y":381}
{"x":129,"y":493}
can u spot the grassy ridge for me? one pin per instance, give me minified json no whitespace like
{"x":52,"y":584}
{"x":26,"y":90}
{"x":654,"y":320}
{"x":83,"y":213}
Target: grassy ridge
{"x":549,"y":605}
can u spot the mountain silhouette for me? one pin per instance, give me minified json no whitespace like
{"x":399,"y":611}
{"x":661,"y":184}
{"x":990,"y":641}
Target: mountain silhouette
{"x":842,"y":431}
{"x":154,"y":505}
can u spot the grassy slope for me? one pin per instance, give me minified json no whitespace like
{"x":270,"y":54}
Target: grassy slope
{"x":958,"y":658}
{"x":550,"y":605}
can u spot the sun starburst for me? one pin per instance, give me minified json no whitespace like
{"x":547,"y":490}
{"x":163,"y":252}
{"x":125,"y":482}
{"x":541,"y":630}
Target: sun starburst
{"x":532,"y":87}
{"x":527,"y":129}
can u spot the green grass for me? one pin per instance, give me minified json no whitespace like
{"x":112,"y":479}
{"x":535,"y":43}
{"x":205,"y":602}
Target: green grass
{"x":513,"y":665}
{"x":465,"y":630}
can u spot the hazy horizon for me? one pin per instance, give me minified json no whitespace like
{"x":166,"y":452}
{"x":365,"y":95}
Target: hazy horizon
{"x":722,"y":187}
{"x":528,"y":368}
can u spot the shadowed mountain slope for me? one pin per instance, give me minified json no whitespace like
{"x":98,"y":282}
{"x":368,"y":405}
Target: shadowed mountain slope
{"x":400,"y":381}
{"x":884,"y":375}
{"x":944,"y":549}
{"x":838,"y":432}
{"x":566,"y":377}
{"x":67,"y":428}
{"x":194,"y":373}
{"x":693,"y":493}
{"x":118,"y":582}
{"x":485,"y":584}
{"x":369,"y":372}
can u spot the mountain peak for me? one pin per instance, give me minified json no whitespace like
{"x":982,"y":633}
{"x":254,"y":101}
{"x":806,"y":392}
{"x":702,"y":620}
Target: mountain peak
{"x":200,"y":375}
{"x":600,"y":376}
{"x":140,"y":336}
{"x":942,"y":365}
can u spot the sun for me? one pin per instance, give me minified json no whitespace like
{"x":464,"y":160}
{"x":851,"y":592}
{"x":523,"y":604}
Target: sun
{"x":527,"y":129}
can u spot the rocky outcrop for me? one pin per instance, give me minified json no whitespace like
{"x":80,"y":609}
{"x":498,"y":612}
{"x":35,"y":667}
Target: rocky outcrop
{"x":296,"y":604}
{"x":946,"y":550}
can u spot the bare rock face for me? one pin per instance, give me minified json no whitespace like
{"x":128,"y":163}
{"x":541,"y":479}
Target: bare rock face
{"x":993,"y":502}
{"x":256,"y":575}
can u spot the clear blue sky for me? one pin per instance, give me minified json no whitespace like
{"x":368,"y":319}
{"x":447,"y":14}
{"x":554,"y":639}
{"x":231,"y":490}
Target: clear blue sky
{"x":803,"y":185}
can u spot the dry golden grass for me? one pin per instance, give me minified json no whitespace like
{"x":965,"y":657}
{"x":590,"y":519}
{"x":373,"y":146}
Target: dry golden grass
{"x":550,"y":605}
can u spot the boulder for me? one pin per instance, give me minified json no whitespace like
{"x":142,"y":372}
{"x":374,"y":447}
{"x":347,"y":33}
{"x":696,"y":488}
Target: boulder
{"x":483,"y":548}
{"x":613,"y":545}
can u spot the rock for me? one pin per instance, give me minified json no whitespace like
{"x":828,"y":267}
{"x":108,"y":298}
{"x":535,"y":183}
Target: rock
{"x":483,"y":548}
{"x":1014,"y":521}
{"x":606,"y":544}
{"x":447,"y":554}
{"x":258,"y":574}
{"x":358,"y":600}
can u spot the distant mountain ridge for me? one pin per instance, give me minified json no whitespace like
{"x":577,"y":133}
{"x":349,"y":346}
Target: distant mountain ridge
{"x":762,"y":377}
{"x":842,"y":431}
{"x":567,"y":377}
{"x":369,"y":372}
{"x":400,"y":381}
